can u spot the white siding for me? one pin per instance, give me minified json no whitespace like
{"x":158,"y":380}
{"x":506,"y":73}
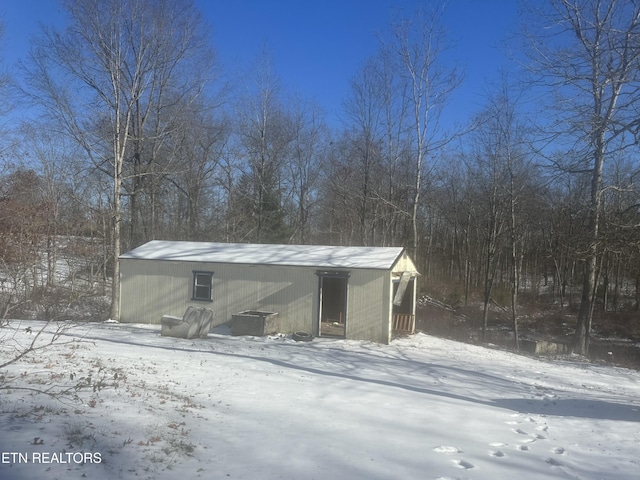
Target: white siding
{"x":403,"y":264}
{"x":151,"y":289}
{"x":367,"y":308}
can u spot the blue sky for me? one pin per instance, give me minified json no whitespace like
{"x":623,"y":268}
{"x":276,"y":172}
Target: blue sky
{"x":317,"y":45}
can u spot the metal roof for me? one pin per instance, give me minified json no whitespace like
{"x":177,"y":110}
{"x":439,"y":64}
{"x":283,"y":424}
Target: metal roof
{"x":267,"y":254}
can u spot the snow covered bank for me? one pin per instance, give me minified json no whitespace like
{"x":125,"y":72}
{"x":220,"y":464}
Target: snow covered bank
{"x":267,"y":408}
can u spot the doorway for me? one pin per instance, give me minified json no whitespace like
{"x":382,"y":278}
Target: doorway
{"x":403,"y":313}
{"x":332,"y":314}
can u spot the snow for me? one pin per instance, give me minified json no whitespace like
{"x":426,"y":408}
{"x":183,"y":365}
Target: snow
{"x":271,"y":408}
{"x":247,"y":253}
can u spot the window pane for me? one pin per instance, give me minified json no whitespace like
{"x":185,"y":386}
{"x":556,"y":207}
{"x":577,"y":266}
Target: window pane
{"x":202,"y":283}
{"x":203,"y":280}
{"x":203,"y":292}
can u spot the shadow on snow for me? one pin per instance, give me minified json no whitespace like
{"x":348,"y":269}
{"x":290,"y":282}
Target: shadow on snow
{"x":418,"y":372}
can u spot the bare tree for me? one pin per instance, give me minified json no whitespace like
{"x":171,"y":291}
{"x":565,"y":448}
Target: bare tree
{"x":513,"y":158}
{"x":23,"y":216}
{"x":420,"y":45}
{"x":308,"y":148}
{"x":489,"y":208}
{"x":587,"y":53}
{"x":181,"y":67}
{"x":364,"y":109}
{"x":99,"y":78}
{"x":265,"y":136}
{"x":199,"y":144}
{"x":395,"y":147}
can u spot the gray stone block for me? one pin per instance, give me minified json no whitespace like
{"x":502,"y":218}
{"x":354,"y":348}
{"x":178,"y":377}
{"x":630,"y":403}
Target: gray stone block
{"x":253,"y":322}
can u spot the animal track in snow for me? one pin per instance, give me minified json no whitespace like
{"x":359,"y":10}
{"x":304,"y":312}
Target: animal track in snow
{"x":523,"y":448}
{"x":559,"y":451}
{"x":497,"y":453}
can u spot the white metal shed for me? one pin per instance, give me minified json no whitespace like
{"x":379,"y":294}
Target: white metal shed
{"x":361,"y":293}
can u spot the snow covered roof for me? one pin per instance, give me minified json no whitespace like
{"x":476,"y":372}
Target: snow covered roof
{"x":250,"y":253}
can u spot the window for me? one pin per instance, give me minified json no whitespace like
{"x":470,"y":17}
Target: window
{"x":202,"y":286}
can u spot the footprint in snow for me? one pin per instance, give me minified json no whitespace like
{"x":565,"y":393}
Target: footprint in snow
{"x":553,"y":462}
{"x":532,"y":438}
{"x":497,"y":453}
{"x":447,"y":449}
{"x":464,"y":464}
{"x":520,"y":431}
{"x":559,"y":451}
{"x":523,"y":448}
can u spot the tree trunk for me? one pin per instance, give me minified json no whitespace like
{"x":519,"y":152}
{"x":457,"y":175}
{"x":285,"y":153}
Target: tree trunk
{"x":116,"y":241}
{"x":583,"y":329}
{"x":515,"y":277}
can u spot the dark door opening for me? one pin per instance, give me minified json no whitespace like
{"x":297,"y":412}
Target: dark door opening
{"x":333,"y":305}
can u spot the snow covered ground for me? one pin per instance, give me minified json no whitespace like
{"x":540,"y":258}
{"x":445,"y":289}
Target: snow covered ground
{"x":271,"y":408}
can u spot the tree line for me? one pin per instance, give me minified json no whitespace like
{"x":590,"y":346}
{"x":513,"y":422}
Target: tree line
{"x":139,"y":137}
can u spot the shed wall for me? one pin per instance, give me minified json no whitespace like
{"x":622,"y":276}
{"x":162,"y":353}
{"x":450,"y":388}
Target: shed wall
{"x":404,"y":263}
{"x":368,"y":311}
{"x":150,"y":289}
